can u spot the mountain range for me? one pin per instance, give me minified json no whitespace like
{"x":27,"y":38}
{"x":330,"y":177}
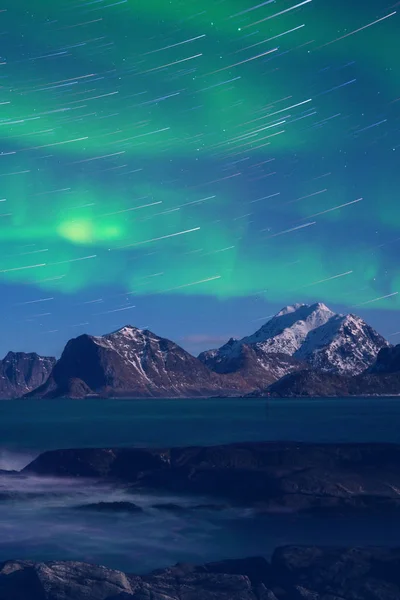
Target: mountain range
{"x":311,"y":334}
{"x":303,"y":350}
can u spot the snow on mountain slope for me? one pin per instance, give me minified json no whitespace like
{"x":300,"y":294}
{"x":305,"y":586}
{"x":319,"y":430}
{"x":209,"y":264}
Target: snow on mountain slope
{"x":345,"y":344}
{"x":131,"y":344}
{"x":309,"y":333}
{"x":287,"y":331}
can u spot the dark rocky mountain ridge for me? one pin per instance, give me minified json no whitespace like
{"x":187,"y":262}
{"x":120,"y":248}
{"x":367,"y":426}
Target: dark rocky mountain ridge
{"x":132,"y":363}
{"x":22,"y":372}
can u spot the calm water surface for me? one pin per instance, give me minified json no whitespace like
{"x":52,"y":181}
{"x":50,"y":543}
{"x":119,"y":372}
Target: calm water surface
{"x":37,"y":425}
{"x":38,"y":516}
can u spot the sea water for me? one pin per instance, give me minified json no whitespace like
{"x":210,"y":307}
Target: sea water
{"x":39,"y":519}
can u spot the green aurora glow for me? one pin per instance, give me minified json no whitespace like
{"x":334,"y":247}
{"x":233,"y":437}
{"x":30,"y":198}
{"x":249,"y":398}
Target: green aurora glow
{"x":82,"y":81}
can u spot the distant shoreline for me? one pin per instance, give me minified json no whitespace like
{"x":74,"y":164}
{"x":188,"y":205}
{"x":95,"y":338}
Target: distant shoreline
{"x":189,"y":398}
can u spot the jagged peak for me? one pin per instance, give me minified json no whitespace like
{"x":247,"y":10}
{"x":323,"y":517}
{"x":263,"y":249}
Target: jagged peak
{"x":127,"y":330}
{"x":317,"y":306}
{"x":353,"y":317}
{"x":320,"y":306}
{"x":351,"y":320}
{"x":297,"y":317}
{"x":289,"y":309}
{"x":13,"y":355}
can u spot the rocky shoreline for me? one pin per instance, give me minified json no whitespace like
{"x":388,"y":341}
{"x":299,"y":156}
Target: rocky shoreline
{"x":267,"y":476}
{"x":293,"y":573}
{"x":315,"y":479}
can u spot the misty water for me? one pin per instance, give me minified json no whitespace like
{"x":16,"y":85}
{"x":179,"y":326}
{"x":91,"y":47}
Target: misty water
{"x":39,"y":518}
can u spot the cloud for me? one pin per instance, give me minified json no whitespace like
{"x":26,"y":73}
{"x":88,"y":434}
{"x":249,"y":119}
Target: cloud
{"x":205,"y":339}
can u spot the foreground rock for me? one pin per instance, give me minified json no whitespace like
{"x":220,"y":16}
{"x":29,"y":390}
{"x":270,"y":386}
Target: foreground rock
{"x":294,"y":573}
{"x":270,"y":476}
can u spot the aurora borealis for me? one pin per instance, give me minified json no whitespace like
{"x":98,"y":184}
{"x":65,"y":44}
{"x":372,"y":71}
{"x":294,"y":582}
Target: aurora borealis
{"x":174,"y":154}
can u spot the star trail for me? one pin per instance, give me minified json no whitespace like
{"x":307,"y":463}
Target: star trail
{"x":196,"y":154}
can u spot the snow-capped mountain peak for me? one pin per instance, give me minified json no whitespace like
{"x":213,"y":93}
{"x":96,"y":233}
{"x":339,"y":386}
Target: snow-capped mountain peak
{"x":288,"y":329}
{"x":315,"y":334}
{"x":127,"y":330}
{"x":289,"y":309}
{"x":296,"y":307}
{"x":133,"y":345}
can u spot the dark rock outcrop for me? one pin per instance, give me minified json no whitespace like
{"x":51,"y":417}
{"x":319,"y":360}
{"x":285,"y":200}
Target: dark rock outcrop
{"x":132,"y":363}
{"x":269,"y":476}
{"x":21,"y":373}
{"x":294,"y":573}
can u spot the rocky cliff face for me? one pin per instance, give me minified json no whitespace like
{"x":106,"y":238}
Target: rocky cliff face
{"x":388,"y":361}
{"x":310,"y":334}
{"x":21,"y":373}
{"x":133,"y":363}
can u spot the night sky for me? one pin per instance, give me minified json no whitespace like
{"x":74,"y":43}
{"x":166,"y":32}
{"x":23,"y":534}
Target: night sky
{"x":193,"y":167}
